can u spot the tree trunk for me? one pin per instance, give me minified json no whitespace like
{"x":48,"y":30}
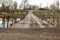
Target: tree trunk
{"x":8,"y":22}
{"x":58,"y":23}
{"x":3,"y":22}
{"x":15,"y":20}
{"x":12,"y":20}
{"x":53,"y":18}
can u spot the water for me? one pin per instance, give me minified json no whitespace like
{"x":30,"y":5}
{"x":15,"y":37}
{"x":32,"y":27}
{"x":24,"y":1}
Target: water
{"x":0,"y":24}
{"x":10,"y":22}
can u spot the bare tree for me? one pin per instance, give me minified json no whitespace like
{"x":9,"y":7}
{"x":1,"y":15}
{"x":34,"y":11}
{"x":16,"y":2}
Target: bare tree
{"x":57,"y":4}
{"x":53,"y":8}
{"x":15,"y":8}
{"x":5,"y":8}
{"x":57,"y":7}
{"x":23,"y":4}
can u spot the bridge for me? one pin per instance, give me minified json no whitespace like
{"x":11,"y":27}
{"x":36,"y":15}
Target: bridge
{"x":32,"y":21}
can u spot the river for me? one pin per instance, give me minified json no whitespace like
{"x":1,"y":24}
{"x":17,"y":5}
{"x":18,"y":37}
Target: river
{"x":10,"y":22}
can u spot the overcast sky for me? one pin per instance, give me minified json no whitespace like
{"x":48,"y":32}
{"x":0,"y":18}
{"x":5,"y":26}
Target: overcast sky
{"x":43,"y":3}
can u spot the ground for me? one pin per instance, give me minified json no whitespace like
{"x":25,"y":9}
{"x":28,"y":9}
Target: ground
{"x":29,"y":34}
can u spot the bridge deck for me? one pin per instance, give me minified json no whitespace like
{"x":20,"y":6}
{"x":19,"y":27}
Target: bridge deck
{"x":32,"y":21}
